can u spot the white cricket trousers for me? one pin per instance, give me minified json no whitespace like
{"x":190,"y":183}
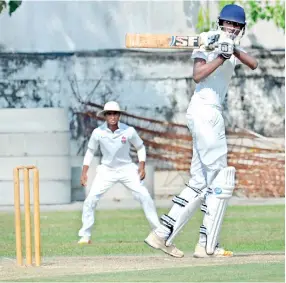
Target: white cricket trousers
{"x":105,"y":178}
{"x":209,"y":157}
{"x":209,"y":148}
{"x":209,"y":144}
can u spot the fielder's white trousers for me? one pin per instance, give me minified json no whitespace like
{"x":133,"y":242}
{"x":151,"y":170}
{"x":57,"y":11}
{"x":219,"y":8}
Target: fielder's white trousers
{"x":105,"y":178}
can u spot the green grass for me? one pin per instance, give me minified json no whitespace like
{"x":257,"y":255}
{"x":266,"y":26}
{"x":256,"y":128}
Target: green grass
{"x":255,"y":272}
{"x":122,"y":232}
{"x":245,"y":229}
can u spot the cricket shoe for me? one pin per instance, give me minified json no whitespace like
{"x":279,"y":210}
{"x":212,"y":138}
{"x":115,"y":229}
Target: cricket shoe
{"x":200,"y":252}
{"x":84,"y":241}
{"x":154,"y":241}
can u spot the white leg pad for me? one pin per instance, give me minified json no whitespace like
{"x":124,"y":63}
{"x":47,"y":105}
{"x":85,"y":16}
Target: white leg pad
{"x":185,"y":206}
{"x":216,"y":203}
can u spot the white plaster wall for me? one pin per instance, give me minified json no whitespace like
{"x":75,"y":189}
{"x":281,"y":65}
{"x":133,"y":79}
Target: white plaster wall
{"x":38,"y":137}
{"x":48,"y":26}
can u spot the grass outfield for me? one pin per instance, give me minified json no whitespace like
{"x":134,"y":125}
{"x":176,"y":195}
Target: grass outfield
{"x":245,"y":229}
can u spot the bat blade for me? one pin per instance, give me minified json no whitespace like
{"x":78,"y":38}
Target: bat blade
{"x":162,"y":41}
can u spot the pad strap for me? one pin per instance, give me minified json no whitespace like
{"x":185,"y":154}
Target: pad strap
{"x":168,"y":221}
{"x":180,"y":201}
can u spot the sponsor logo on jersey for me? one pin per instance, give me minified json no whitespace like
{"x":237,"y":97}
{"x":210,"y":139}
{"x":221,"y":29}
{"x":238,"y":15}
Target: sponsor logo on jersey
{"x":123,"y":140}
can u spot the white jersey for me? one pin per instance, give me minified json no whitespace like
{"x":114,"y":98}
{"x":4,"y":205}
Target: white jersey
{"x":212,"y":90}
{"x":115,"y":146}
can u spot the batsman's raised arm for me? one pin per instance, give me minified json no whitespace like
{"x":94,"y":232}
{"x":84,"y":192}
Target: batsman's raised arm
{"x":202,"y":69}
{"x":245,"y":58}
{"x":206,"y":62}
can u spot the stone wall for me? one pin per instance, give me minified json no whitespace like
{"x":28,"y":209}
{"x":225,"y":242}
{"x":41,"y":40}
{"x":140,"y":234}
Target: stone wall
{"x":151,"y":84}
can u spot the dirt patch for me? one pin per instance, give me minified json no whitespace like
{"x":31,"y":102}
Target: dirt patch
{"x":61,"y":266}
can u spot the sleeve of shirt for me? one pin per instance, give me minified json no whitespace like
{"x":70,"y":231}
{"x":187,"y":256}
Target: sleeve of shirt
{"x":136,"y":140}
{"x":199,"y":54}
{"x":93,"y":142}
{"x":88,"y":157}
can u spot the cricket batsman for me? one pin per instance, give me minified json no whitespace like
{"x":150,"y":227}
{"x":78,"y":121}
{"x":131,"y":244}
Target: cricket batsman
{"x":114,"y":140}
{"x":212,"y":181}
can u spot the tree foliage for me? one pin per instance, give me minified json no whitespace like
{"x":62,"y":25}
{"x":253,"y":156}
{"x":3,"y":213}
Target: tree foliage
{"x":268,"y":10}
{"x":273,"y":10}
{"x":204,"y":21}
{"x":12,"y":6}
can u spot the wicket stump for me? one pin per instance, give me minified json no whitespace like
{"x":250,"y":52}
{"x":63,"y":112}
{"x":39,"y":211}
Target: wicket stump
{"x":28,"y":236}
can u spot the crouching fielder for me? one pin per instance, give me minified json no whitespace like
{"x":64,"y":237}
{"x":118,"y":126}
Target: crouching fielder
{"x":114,"y":139}
{"x":212,"y":182}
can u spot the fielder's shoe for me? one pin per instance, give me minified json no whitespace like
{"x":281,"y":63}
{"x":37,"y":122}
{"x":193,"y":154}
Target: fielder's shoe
{"x":154,"y":241}
{"x":200,"y":252}
{"x":84,"y":240}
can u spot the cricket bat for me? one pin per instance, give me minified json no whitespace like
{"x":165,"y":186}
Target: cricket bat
{"x":167,"y":41}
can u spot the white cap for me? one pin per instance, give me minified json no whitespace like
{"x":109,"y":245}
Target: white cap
{"x":110,"y":106}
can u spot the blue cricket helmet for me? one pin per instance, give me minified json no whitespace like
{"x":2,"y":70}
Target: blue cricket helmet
{"x":232,"y":13}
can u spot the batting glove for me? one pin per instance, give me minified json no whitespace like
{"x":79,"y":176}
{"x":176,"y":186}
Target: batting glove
{"x":209,"y":39}
{"x":225,"y":47}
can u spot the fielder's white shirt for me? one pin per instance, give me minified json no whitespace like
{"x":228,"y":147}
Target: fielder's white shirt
{"x":115,"y":146}
{"x":212,"y":90}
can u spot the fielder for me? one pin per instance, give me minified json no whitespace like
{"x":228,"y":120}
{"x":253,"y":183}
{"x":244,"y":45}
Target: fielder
{"x":114,"y":139}
{"x":212,"y":182}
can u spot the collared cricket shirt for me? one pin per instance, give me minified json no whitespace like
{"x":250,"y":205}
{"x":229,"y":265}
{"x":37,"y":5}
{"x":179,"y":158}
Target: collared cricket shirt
{"x":115,"y":146}
{"x":212,"y":90}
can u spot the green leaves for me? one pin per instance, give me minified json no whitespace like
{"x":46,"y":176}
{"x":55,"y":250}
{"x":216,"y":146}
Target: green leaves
{"x":279,"y":14}
{"x":12,"y":6}
{"x":273,"y":10}
{"x":2,"y":5}
{"x":203,"y":23}
{"x":269,"y":11}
